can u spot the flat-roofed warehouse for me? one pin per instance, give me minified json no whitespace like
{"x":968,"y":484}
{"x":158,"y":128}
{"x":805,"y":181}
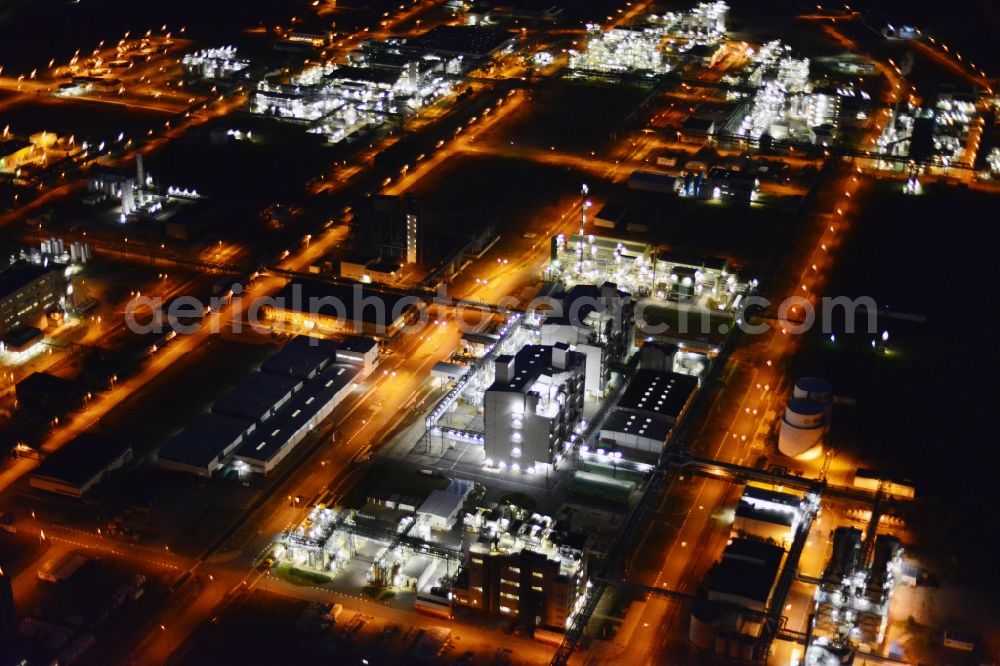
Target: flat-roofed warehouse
{"x":202,"y":447}
{"x":271,"y":442}
{"x":332,"y":308}
{"x":463,"y":40}
{"x":82,"y":463}
{"x":258,"y":397}
{"x":768,"y":514}
{"x":747,"y":574}
{"x":661,"y":393}
{"x":302,"y":358}
{"x":646,"y":433}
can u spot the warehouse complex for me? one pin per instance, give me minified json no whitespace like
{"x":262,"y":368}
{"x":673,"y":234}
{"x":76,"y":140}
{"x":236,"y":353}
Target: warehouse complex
{"x":262,"y":420}
{"x":80,"y":465}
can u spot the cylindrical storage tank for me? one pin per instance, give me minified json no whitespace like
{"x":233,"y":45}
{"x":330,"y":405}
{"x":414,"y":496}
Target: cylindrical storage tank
{"x":816,"y":388}
{"x":804,"y":413}
{"x":704,"y":622}
{"x":802,"y":426}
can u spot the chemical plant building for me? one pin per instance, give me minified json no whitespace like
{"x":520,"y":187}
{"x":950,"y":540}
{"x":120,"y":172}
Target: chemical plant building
{"x":533,"y":405}
{"x":326,"y":308}
{"x":30,"y":291}
{"x":852,"y":602}
{"x":80,"y":465}
{"x":382,"y":82}
{"x":642,"y":421}
{"x":598,"y":322}
{"x":270,"y":412}
{"x":522,"y":565}
{"x":641,"y":270}
{"x":215,"y":63}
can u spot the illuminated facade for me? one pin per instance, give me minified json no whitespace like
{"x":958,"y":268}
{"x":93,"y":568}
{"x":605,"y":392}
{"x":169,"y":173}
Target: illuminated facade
{"x":524,"y":566}
{"x":533,"y":406}
{"x":598,"y":322}
{"x":29,"y":291}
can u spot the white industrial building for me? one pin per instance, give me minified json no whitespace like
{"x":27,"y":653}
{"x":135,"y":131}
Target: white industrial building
{"x":639,"y":269}
{"x":768,"y":514}
{"x":598,"y":322}
{"x":533,"y":405}
{"x":270,"y":443}
{"x":442,"y":508}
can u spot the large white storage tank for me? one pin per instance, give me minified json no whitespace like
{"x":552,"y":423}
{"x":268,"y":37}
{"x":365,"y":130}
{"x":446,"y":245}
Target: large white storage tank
{"x":802,"y":426}
{"x":816,"y":388}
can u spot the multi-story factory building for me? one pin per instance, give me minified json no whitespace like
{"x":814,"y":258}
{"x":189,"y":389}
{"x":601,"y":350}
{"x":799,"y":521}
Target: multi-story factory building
{"x":534,"y":403}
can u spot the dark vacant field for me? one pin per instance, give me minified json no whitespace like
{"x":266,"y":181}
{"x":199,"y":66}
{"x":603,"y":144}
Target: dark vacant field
{"x":80,"y":118}
{"x":469,"y":192}
{"x":573,"y":116}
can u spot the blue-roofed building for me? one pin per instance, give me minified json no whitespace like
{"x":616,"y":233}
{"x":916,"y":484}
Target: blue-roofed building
{"x":202,"y":447}
{"x":258,"y":397}
{"x":302,"y":358}
{"x":272,"y":441}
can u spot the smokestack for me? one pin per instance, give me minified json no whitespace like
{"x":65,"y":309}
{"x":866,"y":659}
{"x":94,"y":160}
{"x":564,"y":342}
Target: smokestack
{"x":140,"y":178}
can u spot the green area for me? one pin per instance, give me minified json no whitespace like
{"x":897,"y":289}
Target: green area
{"x":612,"y":471}
{"x":602,"y":488}
{"x":378,"y":593}
{"x":301,"y":577}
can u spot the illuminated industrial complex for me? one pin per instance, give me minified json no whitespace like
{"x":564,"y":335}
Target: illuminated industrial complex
{"x":496,"y":332}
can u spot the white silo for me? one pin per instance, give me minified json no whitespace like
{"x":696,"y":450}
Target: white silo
{"x":816,"y":388}
{"x":802,"y":427}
